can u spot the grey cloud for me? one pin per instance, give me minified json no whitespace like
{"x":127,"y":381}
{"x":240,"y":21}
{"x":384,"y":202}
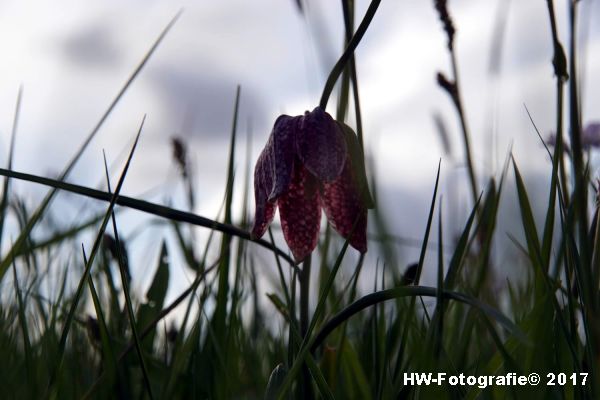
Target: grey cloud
{"x":205,"y":102}
{"x":92,"y":46}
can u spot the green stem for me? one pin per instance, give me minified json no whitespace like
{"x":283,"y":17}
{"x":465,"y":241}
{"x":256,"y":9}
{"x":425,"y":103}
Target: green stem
{"x":576,"y":145}
{"x":304,"y":390}
{"x":338,"y":68}
{"x":127,"y":294}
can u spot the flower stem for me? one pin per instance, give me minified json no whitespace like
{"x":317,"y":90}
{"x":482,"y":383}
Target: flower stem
{"x":349,"y":23}
{"x":576,"y":145}
{"x":338,"y":68}
{"x":304,"y":389}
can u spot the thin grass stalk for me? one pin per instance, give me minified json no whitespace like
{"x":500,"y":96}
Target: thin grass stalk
{"x":411,"y":307}
{"x":578,"y":277}
{"x":220,"y":315}
{"x":110,"y":362}
{"x":241,"y":259}
{"x":343,"y":98}
{"x":311,"y":365}
{"x":150,"y":208}
{"x":439,"y":328}
{"x":428,"y":226}
{"x":127,"y":293}
{"x":588,"y":293}
{"x":352,"y":295}
{"x":534,"y":253}
{"x":200,"y":271}
{"x":24,"y":326}
{"x":305,"y":388}
{"x":293,"y":344}
{"x":566,"y":257}
{"x":590,"y":290}
{"x":67,"y":325}
{"x":338,"y":68}
{"x":305,"y":345}
{"x":452,"y":87}
{"x":282,"y":281}
{"x":348,"y":8}
{"x":465,"y":129}
{"x":575,"y":131}
{"x":11,"y":152}
{"x":559,"y":62}
{"x":411,"y":291}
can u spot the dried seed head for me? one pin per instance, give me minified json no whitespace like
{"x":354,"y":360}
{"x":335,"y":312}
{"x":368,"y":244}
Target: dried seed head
{"x":93,"y":329}
{"x":447,"y":85}
{"x":180,"y":154}
{"x":172,"y":333}
{"x":442,"y":8}
{"x":410,"y":275}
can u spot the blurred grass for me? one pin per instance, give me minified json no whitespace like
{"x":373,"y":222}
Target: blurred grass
{"x":230,"y":339}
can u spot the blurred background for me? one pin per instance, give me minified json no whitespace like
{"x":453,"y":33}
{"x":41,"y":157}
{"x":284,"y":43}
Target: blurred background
{"x":72,"y":57}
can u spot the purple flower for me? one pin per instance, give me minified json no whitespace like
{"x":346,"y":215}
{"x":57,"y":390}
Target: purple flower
{"x":551,"y":140}
{"x":311,"y":162}
{"x":591,"y":135}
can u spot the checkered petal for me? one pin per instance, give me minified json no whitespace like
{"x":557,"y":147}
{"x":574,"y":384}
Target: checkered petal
{"x":263,"y":184}
{"x":320,"y":145}
{"x":300,"y":213}
{"x":343,"y":205}
{"x":282,"y":147}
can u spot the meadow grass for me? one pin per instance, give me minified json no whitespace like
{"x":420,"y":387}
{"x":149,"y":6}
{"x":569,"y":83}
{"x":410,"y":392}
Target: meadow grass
{"x":319,"y":336}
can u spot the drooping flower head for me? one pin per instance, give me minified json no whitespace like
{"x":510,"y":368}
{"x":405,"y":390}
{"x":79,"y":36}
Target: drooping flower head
{"x":591,"y":135}
{"x":311,"y":162}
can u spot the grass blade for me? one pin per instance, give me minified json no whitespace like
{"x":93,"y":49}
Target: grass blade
{"x":23,"y":323}
{"x":531,"y":236}
{"x":460,"y":251}
{"x":11,"y":152}
{"x":428,"y":226}
{"x":124,"y":272}
{"x":110,"y":365}
{"x":150,"y":208}
{"x":88,"y":266}
{"x":411,"y":291}
{"x":346,"y":56}
{"x":306,"y":342}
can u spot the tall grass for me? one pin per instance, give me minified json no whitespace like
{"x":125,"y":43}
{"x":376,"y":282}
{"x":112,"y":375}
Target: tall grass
{"x":325,"y":336}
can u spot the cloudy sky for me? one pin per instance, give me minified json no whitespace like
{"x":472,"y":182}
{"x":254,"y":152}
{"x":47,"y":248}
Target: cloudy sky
{"x":72,"y":57}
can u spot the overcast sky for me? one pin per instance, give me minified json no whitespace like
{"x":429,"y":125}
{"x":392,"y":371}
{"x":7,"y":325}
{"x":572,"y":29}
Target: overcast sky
{"x":72,"y":57}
